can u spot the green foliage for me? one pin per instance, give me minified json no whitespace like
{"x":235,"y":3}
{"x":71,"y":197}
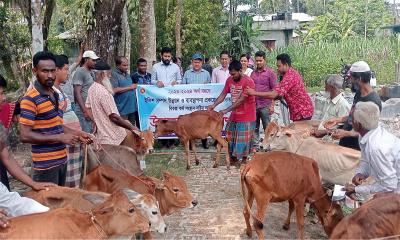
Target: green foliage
{"x":15,"y":43}
{"x":315,"y":61}
{"x":200,"y":29}
{"x":346,"y":18}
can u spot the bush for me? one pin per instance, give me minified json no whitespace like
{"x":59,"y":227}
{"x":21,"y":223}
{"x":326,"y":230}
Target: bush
{"x":315,"y":61}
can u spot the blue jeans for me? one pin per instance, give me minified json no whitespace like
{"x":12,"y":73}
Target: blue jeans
{"x":85,"y":124}
{"x":263,"y":115}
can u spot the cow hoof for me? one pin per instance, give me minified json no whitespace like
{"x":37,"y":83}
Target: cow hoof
{"x":286,"y":226}
{"x":228,"y":168}
{"x":215,"y":165}
{"x":249,"y":233}
{"x":197,"y":162}
{"x":187,"y":167}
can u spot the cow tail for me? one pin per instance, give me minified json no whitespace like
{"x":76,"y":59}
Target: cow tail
{"x":257,"y":224}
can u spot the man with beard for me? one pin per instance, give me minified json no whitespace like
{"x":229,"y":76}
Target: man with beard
{"x":41,"y":124}
{"x":291,"y":88}
{"x":110,"y":126}
{"x":241,"y":124}
{"x":166,"y":73}
{"x":360,"y":76}
{"x":82,"y":80}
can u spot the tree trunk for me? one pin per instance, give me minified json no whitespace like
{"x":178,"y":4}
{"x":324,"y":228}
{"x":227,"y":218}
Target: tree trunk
{"x":178,"y":27}
{"x":48,"y":13}
{"x":124,"y":47}
{"x":37,"y":26}
{"x":104,"y":37}
{"x":147,"y":31}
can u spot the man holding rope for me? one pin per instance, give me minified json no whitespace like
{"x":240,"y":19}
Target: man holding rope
{"x":110,"y":126}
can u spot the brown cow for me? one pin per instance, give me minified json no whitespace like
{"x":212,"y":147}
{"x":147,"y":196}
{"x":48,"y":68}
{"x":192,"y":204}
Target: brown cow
{"x":142,"y":142}
{"x":196,"y":125}
{"x":378,"y":218}
{"x":117,"y":216}
{"x":58,"y":197}
{"x":281,"y":176}
{"x":171,"y":193}
{"x":119,"y":157}
{"x":301,"y":127}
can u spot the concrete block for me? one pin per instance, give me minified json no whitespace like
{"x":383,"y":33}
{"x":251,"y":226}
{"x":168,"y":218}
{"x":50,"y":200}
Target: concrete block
{"x":391,"y":108}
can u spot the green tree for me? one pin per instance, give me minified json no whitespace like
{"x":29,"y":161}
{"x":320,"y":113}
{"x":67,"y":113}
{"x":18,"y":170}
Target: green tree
{"x":347,"y":18}
{"x":200,"y":28}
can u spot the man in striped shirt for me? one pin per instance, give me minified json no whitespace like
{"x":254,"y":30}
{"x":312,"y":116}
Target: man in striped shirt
{"x":41,"y":123}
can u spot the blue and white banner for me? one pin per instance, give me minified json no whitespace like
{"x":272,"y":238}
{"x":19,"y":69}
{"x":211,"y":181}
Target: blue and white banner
{"x":169,"y":102}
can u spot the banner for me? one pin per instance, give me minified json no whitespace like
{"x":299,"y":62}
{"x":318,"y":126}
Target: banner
{"x":156,"y":103}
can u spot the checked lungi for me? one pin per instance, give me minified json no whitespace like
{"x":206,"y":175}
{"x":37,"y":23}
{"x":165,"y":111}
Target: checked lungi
{"x":240,"y":136}
{"x":74,"y":165}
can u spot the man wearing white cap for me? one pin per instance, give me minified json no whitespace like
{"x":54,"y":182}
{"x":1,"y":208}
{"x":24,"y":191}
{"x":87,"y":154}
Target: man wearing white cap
{"x":360,"y":75}
{"x":82,"y":80}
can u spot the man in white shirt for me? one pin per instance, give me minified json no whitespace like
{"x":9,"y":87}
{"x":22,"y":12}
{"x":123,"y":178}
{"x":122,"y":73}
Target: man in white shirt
{"x":166,"y":73}
{"x":380,"y":153}
{"x":337,"y":105}
{"x":221,"y":73}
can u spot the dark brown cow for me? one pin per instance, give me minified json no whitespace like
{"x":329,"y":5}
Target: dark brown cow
{"x":171,"y":193}
{"x":378,"y":218}
{"x":196,"y":125}
{"x":116,"y":217}
{"x":283,"y":176}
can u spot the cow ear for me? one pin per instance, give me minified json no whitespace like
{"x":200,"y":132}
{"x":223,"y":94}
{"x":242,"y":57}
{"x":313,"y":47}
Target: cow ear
{"x":54,"y":202}
{"x":166,"y":175}
{"x":93,"y":198}
{"x":132,"y":195}
{"x":136,"y":132}
{"x":288,"y":132}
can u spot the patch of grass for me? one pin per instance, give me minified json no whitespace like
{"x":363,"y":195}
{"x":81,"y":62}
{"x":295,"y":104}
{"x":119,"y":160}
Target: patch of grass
{"x":157,"y":163}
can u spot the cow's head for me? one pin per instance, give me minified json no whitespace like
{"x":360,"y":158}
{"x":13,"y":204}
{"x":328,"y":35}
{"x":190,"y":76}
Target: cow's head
{"x":174,"y":194}
{"x":118,"y":216}
{"x":148,"y":205}
{"x":143,"y":141}
{"x":163,"y":127}
{"x":329,"y":213}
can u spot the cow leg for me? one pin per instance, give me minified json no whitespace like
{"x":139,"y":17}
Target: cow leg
{"x":193,"y":143}
{"x":186,"y":144}
{"x":299,"y":203}
{"x":217,"y":155}
{"x":224,"y":144}
{"x":262,"y":201}
{"x":246,"y":213}
{"x":286,"y":225}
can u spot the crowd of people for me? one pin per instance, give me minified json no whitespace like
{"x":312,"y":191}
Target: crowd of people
{"x":68,"y":103}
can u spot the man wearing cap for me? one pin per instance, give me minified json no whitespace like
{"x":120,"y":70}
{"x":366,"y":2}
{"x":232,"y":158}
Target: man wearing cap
{"x":197,"y":75}
{"x":337,"y":105}
{"x":103,"y":110}
{"x":82,"y":80}
{"x":360,"y":76}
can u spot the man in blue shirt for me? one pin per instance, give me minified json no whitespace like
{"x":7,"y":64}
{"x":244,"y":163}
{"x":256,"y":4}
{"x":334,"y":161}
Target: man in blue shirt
{"x":124,"y":90}
{"x":196,"y":75}
{"x":141,"y":76}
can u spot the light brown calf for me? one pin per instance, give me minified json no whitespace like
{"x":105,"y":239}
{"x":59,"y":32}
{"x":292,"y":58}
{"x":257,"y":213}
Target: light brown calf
{"x":193,"y":126}
{"x":58,"y":197}
{"x":171,"y":193}
{"x":117,"y":216}
{"x":378,"y":218}
{"x":282,"y":176}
